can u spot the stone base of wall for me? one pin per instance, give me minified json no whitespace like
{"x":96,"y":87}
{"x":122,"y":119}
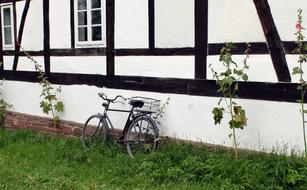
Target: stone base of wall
{"x":15,"y":120}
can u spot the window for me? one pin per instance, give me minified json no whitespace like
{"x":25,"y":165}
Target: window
{"x":89,"y":23}
{"x":7,"y":26}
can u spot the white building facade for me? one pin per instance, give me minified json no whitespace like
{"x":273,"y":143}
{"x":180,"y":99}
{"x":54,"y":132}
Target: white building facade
{"x":159,"y":49}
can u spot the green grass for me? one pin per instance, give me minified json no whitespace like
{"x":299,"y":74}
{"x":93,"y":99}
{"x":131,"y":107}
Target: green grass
{"x":38,"y":161}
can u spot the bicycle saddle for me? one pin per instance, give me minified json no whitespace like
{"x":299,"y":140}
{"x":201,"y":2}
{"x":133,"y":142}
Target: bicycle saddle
{"x":136,"y":103}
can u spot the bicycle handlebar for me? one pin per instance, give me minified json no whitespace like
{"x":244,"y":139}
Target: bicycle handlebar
{"x":104,"y":97}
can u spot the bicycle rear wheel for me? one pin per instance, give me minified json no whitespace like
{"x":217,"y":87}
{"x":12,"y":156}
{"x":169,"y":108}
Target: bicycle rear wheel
{"x":141,"y":136}
{"x":95,"y":131}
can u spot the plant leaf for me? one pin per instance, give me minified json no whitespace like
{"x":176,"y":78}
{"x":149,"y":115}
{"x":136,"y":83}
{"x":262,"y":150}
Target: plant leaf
{"x":245,"y":77}
{"x":217,"y":115}
{"x":59,"y":107}
{"x":296,"y":70}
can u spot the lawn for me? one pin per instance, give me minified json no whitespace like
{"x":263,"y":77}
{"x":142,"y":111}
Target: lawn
{"x":38,"y":161}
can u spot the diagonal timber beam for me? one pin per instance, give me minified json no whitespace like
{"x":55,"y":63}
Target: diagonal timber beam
{"x":273,"y":40}
{"x":20,"y":33}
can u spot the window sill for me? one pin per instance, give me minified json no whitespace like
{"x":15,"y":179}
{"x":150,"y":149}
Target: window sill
{"x":8,"y":48}
{"x":90,"y":45}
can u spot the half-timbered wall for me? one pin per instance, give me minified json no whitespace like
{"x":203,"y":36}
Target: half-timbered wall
{"x":161,"y":49}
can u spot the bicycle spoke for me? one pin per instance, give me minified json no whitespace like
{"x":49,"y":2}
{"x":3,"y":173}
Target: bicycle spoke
{"x":141,"y":136}
{"x":94,"y":132}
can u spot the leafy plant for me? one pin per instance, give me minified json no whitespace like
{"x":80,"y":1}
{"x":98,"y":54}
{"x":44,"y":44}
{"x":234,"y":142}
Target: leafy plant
{"x":300,"y":48}
{"x":49,"y":102}
{"x":160,"y":112}
{"x":3,"y":107}
{"x":228,"y":87}
{"x":294,"y":177}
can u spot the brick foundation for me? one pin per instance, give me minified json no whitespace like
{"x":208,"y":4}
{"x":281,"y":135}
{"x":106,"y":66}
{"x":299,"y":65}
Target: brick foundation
{"x":15,"y":120}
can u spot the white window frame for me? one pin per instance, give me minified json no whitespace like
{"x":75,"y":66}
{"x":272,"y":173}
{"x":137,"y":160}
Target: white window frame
{"x":5,"y":46}
{"x":90,"y":43}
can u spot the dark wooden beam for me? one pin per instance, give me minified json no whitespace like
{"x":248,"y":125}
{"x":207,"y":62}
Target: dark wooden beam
{"x":257,"y":48}
{"x":248,"y":90}
{"x":274,"y":42}
{"x":201,"y":38}
{"x":64,"y":52}
{"x":290,"y":46}
{"x":10,"y":1}
{"x":151,"y":23}
{"x":110,"y":21}
{"x":72,"y":23}
{"x":46,"y":25}
{"x":20,"y":33}
{"x":155,"y":52}
{"x":79,"y":52}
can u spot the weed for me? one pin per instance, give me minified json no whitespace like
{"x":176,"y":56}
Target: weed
{"x":49,"y":102}
{"x":3,"y":107}
{"x":228,"y":87}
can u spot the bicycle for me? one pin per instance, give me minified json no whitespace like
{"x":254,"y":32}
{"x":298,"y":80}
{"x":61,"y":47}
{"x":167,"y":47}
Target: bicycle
{"x":140,"y":133}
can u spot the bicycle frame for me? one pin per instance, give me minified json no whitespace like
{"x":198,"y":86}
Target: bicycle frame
{"x":107,"y":121}
{"x":140,"y":131}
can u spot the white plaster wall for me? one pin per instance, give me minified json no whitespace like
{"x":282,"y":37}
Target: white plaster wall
{"x":187,"y":117}
{"x":78,"y":64}
{"x":8,"y":62}
{"x":260,"y":67}
{"x":285,"y":16}
{"x":156,"y":66}
{"x":24,"y":64}
{"x":235,"y":21}
{"x":60,"y":24}
{"x":131,"y":24}
{"x":174,"y":23}
{"x":33,"y":31}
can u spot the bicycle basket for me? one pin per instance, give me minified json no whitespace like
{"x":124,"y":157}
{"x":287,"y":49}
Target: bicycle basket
{"x":150,"y":104}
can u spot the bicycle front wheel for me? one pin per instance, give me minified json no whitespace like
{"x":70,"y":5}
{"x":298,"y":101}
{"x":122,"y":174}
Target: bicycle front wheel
{"x":95,"y":131}
{"x":141,"y":136}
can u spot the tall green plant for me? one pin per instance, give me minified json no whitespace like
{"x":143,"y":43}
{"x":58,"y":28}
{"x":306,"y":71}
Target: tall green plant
{"x":300,"y":48}
{"x":228,"y":87}
{"x":160,"y":112}
{"x":3,"y":107}
{"x":49,"y":102}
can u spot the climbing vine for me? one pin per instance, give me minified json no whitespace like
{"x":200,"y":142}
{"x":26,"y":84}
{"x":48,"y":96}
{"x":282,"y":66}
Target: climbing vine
{"x":49,"y":102}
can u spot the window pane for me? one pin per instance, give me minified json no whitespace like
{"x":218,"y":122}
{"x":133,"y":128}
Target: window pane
{"x":7,"y":16}
{"x":81,"y":4}
{"x":82,"y":34}
{"x":96,"y":17}
{"x":8,"y":36}
{"x":96,"y":33}
{"x":96,"y":4}
{"x":82,"y":18}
